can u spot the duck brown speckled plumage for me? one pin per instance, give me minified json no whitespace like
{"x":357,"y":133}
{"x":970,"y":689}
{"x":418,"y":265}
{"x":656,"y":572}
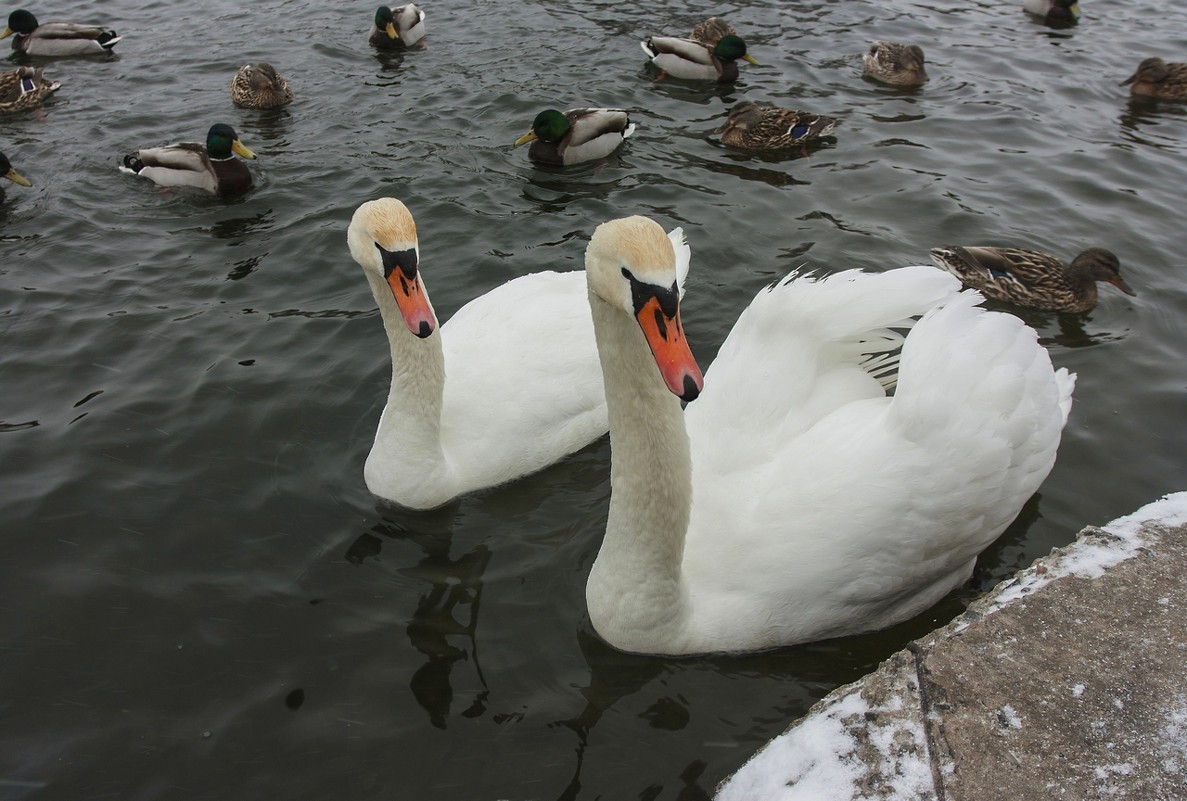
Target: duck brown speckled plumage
{"x":23,"y":89}
{"x":895,"y":64}
{"x":711,"y":30}
{"x":260,"y":86}
{"x":1033,"y":278}
{"x":755,"y":127}
{"x":1159,"y":79}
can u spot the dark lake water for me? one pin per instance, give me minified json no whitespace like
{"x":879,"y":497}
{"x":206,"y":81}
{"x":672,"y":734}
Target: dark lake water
{"x":199,"y":599}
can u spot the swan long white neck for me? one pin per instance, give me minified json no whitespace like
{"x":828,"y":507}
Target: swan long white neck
{"x":407,"y":459}
{"x":635,"y":594}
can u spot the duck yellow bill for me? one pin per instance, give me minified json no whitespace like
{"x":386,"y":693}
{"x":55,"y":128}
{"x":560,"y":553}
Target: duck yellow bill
{"x":392,"y":32}
{"x":7,"y":32}
{"x":749,"y":59}
{"x":242,"y":149}
{"x":527,"y":137}
{"x":412,"y":303}
{"x":665,"y":337}
{"x":17,"y":178}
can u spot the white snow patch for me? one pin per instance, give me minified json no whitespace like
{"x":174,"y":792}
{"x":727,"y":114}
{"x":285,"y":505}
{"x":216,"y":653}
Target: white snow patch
{"x":1077,"y":691}
{"x":818,"y":759}
{"x":1121,"y":769}
{"x":1009,"y":717}
{"x":1089,"y":558}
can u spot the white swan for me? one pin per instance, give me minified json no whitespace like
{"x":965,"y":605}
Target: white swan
{"x":508,"y":386}
{"x":796,"y":500}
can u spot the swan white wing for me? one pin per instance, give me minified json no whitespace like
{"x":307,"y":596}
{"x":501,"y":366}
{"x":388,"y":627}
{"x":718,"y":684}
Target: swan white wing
{"x":796,"y":354}
{"x":860,"y":516}
{"x":523,"y":382}
{"x":683,"y":256}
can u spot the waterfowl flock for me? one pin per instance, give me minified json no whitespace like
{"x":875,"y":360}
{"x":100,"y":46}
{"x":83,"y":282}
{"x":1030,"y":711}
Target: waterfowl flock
{"x":845,"y":387}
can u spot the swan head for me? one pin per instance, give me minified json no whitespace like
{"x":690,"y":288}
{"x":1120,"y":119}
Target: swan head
{"x":382,"y":239}
{"x":631,"y":264}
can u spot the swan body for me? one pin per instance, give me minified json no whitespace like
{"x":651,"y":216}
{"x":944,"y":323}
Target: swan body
{"x":693,"y":60}
{"x":9,"y":172}
{"x":894,"y":63}
{"x":260,"y":86}
{"x":1159,"y":79}
{"x":509,"y":385}
{"x":397,"y":28}
{"x":1031,"y":277}
{"x":24,"y":88}
{"x":755,"y":127}
{"x":1057,"y":13}
{"x":211,"y":167}
{"x":576,"y":135}
{"x":794,"y":499}
{"x":57,"y":38}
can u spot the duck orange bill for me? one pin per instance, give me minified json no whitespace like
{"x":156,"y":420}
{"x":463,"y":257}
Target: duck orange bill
{"x":665,"y":336}
{"x":412,"y":302}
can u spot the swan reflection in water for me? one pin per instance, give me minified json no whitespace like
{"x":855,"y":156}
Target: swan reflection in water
{"x":447,"y":610}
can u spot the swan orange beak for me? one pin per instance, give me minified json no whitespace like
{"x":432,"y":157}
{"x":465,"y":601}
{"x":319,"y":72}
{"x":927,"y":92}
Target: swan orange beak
{"x":669,"y":347}
{"x":404,"y":281}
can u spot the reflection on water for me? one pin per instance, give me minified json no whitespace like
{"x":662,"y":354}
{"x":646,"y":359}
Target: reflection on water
{"x":445,"y":612}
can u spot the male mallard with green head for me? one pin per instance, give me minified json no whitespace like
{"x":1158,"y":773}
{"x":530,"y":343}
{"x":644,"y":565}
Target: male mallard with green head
{"x":397,"y":28}
{"x":1033,"y":278}
{"x":57,"y":38}
{"x":1159,"y":79}
{"x":23,"y":89}
{"x":895,"y":64}
{"x":260,"y":86}
{"x":212,"y":167}
{"x":1056,"y":13}
{"x":693,"y":60}
{"x":755,"y":127}
{"x":9,"y":172}
{"x":576,"y":135}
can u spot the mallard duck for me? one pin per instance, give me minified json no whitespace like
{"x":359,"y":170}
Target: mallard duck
{"x":692,"y":60}
{"x":397,"y":28}
{"x":1160,"y":79}
{"x":1057,"y":13}
{"x":507,"y":386}
{"x":212,"y":166}
{"x":894,"y":63}
{"x":57,"y":38}
{"x":711,"y":30}
{"x":576,"y":135}
{"x":796,"y":497}
{"x":260,"y":86}
{"x":9,"y":172}
{"x":755,"y":127}
{"x":1033,"y":278}
{"x":24,"y":88}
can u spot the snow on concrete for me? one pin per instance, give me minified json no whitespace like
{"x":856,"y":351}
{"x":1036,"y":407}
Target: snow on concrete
{"x":826,"y":754}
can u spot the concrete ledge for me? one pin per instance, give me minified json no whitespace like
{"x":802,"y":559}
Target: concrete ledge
{"x":1067,"y":681}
